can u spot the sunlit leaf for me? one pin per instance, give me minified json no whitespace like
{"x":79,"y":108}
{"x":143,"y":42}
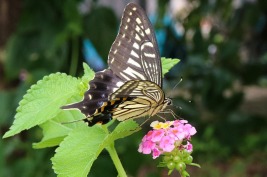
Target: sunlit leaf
{"x":78,"y":151}
{"x":167,"y":64}
{"x":42,"y":101}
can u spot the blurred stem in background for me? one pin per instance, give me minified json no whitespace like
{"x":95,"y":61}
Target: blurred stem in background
{"x":74,"y":56}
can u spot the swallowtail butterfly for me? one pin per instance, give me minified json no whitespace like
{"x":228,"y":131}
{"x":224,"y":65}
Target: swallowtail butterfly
{"x":132,"y":85}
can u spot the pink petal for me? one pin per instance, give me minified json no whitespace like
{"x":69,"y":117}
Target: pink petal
{"x":149,"y":135}
{"x":188,"y":147}
{"x":156,"y":153}
{"x":146,"y":147}
{"x":189,"y":129}
{"x":177,"y":133}
{"x":157,"y":135}
{"x":167,"y":144}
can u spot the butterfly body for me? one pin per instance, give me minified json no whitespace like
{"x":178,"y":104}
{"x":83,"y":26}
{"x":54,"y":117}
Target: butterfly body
{"x":132,"y":85}
{"x":146,"y":99}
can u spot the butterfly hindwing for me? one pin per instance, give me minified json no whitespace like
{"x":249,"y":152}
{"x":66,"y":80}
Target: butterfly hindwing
{"x":139,"y":88}
{"x":103,"y":84}
{"x":147,"y":99}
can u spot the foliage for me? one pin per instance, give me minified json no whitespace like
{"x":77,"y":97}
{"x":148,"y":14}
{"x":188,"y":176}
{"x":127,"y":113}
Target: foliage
{"x":218,"y":66}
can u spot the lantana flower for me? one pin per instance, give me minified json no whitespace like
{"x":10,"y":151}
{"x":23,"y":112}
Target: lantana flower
{"x":172,"y":140}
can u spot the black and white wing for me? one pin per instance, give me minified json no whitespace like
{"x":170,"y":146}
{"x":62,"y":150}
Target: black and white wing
{"x":134,"y":55}
{"x":103,"y":84}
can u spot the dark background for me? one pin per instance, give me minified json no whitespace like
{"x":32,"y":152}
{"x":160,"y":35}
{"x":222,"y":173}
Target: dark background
{"x":223,"y":50}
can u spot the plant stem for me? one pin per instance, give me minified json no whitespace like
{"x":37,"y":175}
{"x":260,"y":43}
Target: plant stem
{"x":74,"y":55}
{"x":115,"y":158}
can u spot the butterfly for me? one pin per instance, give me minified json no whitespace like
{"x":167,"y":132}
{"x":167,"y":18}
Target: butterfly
{"x":131,"y":87}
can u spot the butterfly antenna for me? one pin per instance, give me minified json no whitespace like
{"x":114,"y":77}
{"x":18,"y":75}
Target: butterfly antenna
{"x":172,"y":92}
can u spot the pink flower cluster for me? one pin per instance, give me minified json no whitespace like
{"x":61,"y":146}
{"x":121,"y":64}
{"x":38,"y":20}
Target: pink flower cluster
{"x":165,"y":137}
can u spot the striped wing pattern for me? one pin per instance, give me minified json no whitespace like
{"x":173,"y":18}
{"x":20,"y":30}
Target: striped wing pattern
{"x":139,"y":89}
{"x":147,"y":99}
{"x":131,"y":86}
{"x":134,"y":55}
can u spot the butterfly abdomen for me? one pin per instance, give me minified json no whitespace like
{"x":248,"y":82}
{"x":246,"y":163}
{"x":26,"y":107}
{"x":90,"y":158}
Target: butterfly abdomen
{"x":110,"y":105}
{"x":104,"y":114}
{"x":101,"y":118}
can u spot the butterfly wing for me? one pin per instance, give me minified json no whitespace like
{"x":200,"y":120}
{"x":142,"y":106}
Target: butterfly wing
{"x":147,"y":99}
{"x":131,"y":87}
{"x":137,"y":88}
{"x":134,"y":55}
{"x":103,"y":84}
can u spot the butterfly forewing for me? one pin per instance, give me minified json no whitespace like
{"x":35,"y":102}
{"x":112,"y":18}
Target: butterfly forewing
{"x":134,"y":55}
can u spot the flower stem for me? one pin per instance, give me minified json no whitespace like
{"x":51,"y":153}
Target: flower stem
{"x":115,"y":158}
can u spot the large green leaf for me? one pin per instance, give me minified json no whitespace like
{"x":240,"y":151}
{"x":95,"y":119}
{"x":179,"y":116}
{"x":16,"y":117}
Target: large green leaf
{"x":42,"y":101}
{"x":55,"y":130}
{"x":79,"y":150}
{"x":124,"y":129}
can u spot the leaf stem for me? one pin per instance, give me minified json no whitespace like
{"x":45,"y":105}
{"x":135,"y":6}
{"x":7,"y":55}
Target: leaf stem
{"x":74,"y":55}
{"x":115,"y":158}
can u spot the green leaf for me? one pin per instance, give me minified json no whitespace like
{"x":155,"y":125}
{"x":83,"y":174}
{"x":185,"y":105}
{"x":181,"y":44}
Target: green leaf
{"x":78,"y":151}
{"x":42,"y":101}
{"x":55,"y":130}
{"x":195,"y":164}
{"x":124,"y":129}
{"x":167,"y":64}
{"x":88,"y":75}
{"x":88,"y":72}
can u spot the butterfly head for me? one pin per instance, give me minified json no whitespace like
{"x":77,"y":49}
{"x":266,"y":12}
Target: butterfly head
{"x":168,"y":101}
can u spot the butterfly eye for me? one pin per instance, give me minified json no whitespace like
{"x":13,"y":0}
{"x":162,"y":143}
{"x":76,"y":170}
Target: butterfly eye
{"x":169,"y":101}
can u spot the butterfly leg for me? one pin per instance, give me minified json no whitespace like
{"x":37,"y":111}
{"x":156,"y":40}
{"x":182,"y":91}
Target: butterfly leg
{"x":144,"y":121}
{"x":169,"y":111}
{"x":161,"y":117}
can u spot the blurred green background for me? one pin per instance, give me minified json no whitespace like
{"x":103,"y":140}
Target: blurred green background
{"x":223,"y":50}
